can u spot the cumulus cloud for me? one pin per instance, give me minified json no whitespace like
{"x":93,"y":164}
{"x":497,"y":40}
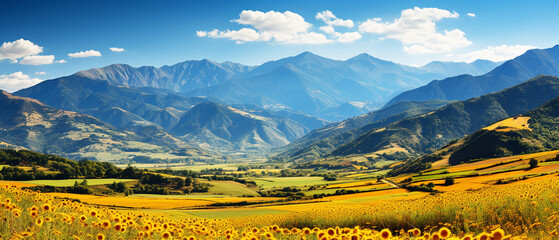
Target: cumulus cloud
{"x":40,"y":73}
{"x":471,"y":14}
{"x":61,"y":61}
{"x":15,"y":81}
{"x":416,"y":29}
{"x":271,"y":26}
{"x":115,"y":49}
{"x":37,"y":60}
{"x":497,"y":53}
{"x":83,"y":54}
{"x":349,"y":37}
{"x":18,"y":49}
{"x":329,"y":18}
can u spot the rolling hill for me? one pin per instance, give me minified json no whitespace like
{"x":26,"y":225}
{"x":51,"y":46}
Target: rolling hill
{"x":424,"y":134}
{"x":148,"y":112}
{"x":31,"y":124}
{"x":323,"y":140}
{"x":232,"y":130}
{"x":534,"y":131}
{"x":526,"y":66}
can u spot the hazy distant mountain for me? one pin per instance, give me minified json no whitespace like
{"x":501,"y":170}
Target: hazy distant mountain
{"x":29,"y":123}
{"x":225,"y":128}
{"x":323,"y":140}
{"x":316,"y":85}
{"x":124,"y":107}
{"x":528,"y":65}
{"x":181,"y":77}
{"x":153,"y":112}
{"x":474,"y":68}
{"x":424,"y":134}
{"x":307,"y":83}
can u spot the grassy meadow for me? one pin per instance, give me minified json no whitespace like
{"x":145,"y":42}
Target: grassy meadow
{"x":502,"y":198}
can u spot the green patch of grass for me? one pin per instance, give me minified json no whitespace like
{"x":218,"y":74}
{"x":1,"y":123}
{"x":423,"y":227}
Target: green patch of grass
{"x":186,"y":196}
{"x":435,"y":172}
{"x":320,"y":191}
{"x":70,"y":182}
{"x":443,"y":176}
{"x":280,"y":182}
{"x":382,"y":163}
{"x":234,"y":213}
{"x":230,"y":188}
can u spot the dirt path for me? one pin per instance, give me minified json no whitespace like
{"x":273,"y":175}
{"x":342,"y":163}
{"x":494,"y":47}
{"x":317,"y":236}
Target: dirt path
{"x":390,"y":183}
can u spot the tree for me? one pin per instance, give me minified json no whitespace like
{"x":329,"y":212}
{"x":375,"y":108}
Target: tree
{"x":448,"y":181}
{"x":533,"y":163}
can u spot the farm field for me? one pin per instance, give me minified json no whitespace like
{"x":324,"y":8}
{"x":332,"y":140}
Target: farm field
{"x":374,"y":206}
{"x":280,"y":182}
{"x":71,"y":182}
{"x":230,"y":188}
{"x":388,"y":209}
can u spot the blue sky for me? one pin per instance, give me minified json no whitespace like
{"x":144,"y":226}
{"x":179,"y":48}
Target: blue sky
{"x":158,"y":33}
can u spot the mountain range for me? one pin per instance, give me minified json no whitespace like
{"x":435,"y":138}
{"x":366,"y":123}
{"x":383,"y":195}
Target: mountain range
{"x":526,"y":66}
{"x":533,"y":131}
{"x":195,"y":120}
{"x":324,"y":140}
{"x":424,"y":134}
{"x":31,"y":124}
{"x":306,"y":83}
{"x":280,"y":106}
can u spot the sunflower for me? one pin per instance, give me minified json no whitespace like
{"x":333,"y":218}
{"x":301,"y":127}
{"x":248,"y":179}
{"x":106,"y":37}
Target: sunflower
{"x":498,"y":234}
{"x":331,"y":232}
{"x":468,"y":237}
{"x":444,"y":232}
{"x":39,"y":222}
{"x":46,"y":207}
{"x":83,"y":218}
{"x":385,"y":234}
{"x":100,"y":236}
{"x":166,"y":235}
{"x":106,"y":224}
{"x":484,"y":236}
{"x":117,"y":227}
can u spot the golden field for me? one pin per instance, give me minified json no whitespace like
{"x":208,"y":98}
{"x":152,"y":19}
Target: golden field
{"x":522,"y":210}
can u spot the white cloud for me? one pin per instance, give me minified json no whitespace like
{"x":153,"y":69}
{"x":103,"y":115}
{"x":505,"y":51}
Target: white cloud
{"x":61,"y":61}
{"x":349,"y":37}
{"x":417,"y":30}
{"x":272,"y":26}
{"x":37,"y":60}
{"x":327,"y":29}
{"x":115,"y":49}
{"x":497,"y":53}
{"x":15,"y":81}
{"x":18,"y":49}
{"x":82,"y":54}
{"x":40,"y":73}
{"x":329,"y":18}
{"x":471,"y":14}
